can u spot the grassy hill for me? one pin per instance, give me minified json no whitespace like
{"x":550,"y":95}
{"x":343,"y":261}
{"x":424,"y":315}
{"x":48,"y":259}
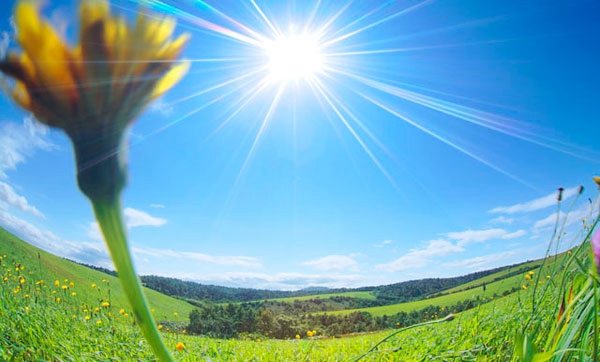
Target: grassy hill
{"x":91,"y":287}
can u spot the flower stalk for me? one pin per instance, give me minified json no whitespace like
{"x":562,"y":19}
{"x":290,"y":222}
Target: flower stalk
{"x":108,"y":214}
{"x":93,"y":92}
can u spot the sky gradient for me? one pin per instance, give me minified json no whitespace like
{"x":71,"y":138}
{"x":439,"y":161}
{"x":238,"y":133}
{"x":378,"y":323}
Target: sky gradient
{"x":430,"y":142}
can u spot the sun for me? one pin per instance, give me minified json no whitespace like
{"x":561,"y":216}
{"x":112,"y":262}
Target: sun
{"x":293,"y":57}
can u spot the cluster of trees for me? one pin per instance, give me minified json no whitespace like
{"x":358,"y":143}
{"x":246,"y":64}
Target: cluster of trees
{"x":276,"y":321}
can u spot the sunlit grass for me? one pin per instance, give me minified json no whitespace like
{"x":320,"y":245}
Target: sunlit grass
{"x":524,"y":324}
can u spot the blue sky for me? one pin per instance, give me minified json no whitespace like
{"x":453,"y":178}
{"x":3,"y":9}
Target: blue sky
{"x":428,"y":142}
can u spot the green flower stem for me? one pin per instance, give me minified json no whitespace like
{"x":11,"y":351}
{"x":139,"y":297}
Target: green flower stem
{"x":108,"y":214}
{"x":448,"y":318}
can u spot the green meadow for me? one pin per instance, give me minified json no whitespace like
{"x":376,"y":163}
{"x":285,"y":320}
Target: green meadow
{"x":56,"y":310}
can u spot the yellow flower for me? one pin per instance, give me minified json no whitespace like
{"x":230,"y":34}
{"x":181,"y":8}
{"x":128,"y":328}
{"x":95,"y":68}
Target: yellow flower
{"x":597,"y":180}
{"x":56,"y":283}
{"x":87,"y":317}
{"x":99,"y":322}
{"x":64,"y":287}
{"x":73,"y":294}
{"x":528,"y":276}
{"x":184,"y":332}
{"x":548,"y":277}
{"x":57,"y":299}
{"x":72,"y":285}
{"x":524,"y":287}
{"x":179,"y":346}
{"x":122,"y":311}
{"x":93,"y":285}
{"x":22,"y":281}
{"x":105,"y":304}
{"x":95,"y":90}
{"x":175,"y":314}
{"x":297,"y":336}
{"x":160,"y":327}
{"x":258,"y":340}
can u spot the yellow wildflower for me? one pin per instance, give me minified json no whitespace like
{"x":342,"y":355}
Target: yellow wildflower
{"x":73,"y":294}
{"x":528,"y":276}
{"x":184,"y":332}
{"x":22,"y":281}
{"x":99,"y":322}
{"x":26,"y":309}
{"x":524,"y":287}
{"x":548,"y":277}
{"x":160,"y":327}
{"x":175,"y":314}
{"x":56,"y":283}
{"x":93,"y":285}
{"x":72,"y":285}
{"x":64,"y":287}
{"x":26,"y":295}
{"x":258,"y":340}
{"x":87,"y":317}
{"x":297,"y":336}
{"x":105,"y":304}
{"x":179,"y":346}
{"x":121,"y":311}
{"x":57,"y":299}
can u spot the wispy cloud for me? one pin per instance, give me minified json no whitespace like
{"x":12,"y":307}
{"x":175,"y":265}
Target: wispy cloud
{"x":157,"y":206}
{"x":383,"y":244}
{"x":333,"y":262}
{"x":502,"y":220}
{"x":574,"y":216}
{"x":20,"y":141}
{"x":483,"y":262}
{"x":9,"y":197}
{"x":477,"y":236}
{"x":537,"y":204}
{"x":279,"y":281}
{"x":421,"y":257}
{"x":135,"y":218}
{"x":91,"y":253}
{"x":241,"y":261}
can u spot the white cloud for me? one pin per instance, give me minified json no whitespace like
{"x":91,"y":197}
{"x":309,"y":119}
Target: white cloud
{"x":576,"y":215}
{"x":514,"y":235}
{"x":502,"y":220}
{"x":242,"y":261}
{"x":19,"y":141}
{"x":279,"y":281}
{"x":9,"y":197}
{"x":537,"y":204}
{"x":28,"y":231}
{"x":333,"y":262}
{"x":92,"y":253}
{"x":383,"y":243}
{"x":419,"y":258}
{"x":135,"y":218}
{"x":478,"y":236}
{"x":483,"y":262}
{"x":157,"y":206}
{"x":162,"y":107}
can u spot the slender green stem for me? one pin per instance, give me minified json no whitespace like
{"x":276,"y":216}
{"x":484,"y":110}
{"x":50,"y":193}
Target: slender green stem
{"x":448,"y":318}
{"x":108,"y":214}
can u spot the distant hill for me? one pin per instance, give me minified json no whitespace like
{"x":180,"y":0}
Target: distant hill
{"x":385,"y":294}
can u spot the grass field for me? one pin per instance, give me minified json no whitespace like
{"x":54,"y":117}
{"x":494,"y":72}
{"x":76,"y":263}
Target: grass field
{"x":50,"y":268}
{"x":47,"y":322}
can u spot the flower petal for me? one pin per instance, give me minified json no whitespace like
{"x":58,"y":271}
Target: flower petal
{"x":170,"y":78}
